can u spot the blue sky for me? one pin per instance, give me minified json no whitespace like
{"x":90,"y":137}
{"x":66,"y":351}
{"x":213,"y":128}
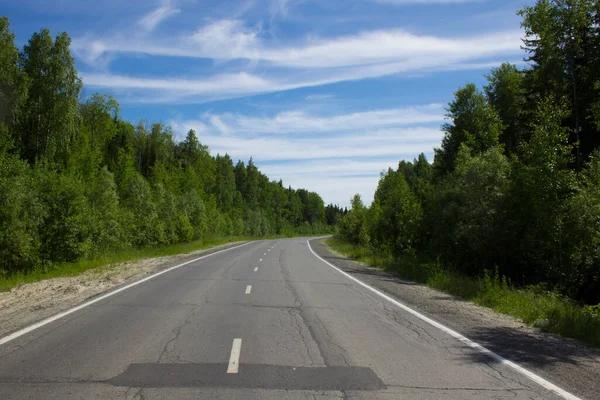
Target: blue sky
{"x":324,"y":94}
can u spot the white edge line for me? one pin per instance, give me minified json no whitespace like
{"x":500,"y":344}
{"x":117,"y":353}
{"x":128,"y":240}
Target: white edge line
{"x":55,"y":317}
{"x":248,"y":289}
{"x":234,"y":358}
{"x":536,"y":378}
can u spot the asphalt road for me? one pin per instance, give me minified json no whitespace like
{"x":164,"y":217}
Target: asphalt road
{"x":265,"y":320}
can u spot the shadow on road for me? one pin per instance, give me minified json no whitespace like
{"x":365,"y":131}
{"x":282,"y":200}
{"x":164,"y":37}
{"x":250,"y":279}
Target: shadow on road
{"x":382,"y":275}
{"x":528,"y":348}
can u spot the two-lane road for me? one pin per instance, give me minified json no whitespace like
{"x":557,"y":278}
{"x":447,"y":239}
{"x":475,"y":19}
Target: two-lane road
{"x":264,"y":320}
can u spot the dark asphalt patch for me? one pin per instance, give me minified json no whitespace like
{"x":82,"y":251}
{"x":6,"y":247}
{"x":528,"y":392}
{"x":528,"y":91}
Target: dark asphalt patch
{"x":250,"y":376}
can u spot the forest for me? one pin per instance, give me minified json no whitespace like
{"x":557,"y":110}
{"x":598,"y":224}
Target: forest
{"x":514,"y":188}
{"x":77,"y":181}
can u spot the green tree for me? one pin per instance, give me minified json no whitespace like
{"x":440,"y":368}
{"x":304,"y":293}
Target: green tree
{"x":66,"y":232}
{"x":224,"y":183}
{"x":474,"y":122}
{"x":252,"y":185}
{"x":141,"y":217}
{"x":505,"y":91}
{"x":353,"y":222}
{"x":12,"y":81}
{"x":562,"y":38}
{"x":541,"y":181}
{"x":98,"y":114}
{"x":581,"y":278}
{"x":468,"y":210}
{"x":108,"y":231}
{"x":51,"y":115}
{"x":398,"y":216}
{"x":241,"y":179}
{"x":21,"y":216}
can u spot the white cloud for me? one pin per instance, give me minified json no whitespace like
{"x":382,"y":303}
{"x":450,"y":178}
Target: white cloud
{"x":336,"y":156}
{"x":273,"y":67}
{"x":268,"y":149}
{"x":230,"y":39}
{"x":240,"y":83}
{"x":337,"y":140}
{"x":279,"y":7}
{"x":333,"y":189}
{"x":317,"y":97}
{"x":299,"y":121}
{"x":389,"y":46}
{"x":330,"y":168}
{"x":226,"y":86}
{"x":224,"y":39}
{"x":151,"y":20}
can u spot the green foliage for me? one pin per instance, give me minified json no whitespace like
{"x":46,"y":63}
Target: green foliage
{"x":464,"y":219}
{"x":78,"y":183}
{"x":534,"y":305}
{"x":21,"y":216}
{"x":506,"y":93}
{"x":352,"y":224}
{"x":582,"y":235}
{"x":12,"y":80}
{"x":65,"y":234}
{"x":51,"y":110}
{"x":141,"y":218}
{"x":474,"y":122}
{"x":542,"y":181}
{"x":506,"y":189}
{"x":108,"y":232}
{"x":396,"y":215}
{"x":562,"y":39}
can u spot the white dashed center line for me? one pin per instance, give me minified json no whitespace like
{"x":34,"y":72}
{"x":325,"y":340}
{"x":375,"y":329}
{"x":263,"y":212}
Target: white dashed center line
{"x":234,"y":359}
{"x":248,"y":289}
{"x":255,"y":269}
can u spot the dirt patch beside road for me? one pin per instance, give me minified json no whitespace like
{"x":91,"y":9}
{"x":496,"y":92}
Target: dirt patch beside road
{"x":562,"y":361}
{"x":27,"y":304}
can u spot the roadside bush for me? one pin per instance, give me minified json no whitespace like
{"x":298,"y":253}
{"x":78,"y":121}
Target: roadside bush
{"x":192,"y":206}
{"x":582,"y":235}
{"x":22,"y":212}
{"x":144,"y":226}
{"x":394,"y":223}
{"x":108,"y":232}
{"x":66,"y":231}
{"x":469,"y":200}
{"x":352,"y":224}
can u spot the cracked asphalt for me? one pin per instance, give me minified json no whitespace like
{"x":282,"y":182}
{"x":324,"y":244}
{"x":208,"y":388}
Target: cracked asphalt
{"x":307,"y":332}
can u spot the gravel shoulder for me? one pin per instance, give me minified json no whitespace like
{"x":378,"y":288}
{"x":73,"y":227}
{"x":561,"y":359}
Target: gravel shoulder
{"x":27,"y":304}
{"x":564,"y":362}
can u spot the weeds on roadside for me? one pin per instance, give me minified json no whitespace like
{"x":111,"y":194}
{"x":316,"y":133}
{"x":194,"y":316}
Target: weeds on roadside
{"x":534,"y":305}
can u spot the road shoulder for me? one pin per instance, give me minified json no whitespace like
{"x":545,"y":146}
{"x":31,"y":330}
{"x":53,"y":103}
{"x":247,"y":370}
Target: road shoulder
{"x":564,"y":362}
{"x":27,"y":304}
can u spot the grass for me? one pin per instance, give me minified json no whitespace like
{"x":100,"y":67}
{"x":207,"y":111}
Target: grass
{"x":533,"y":305}
{"x":76,"y":268}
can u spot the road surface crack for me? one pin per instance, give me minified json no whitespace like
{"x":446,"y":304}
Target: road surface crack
{"x":177,"y":332}
{"x":503,"y":377}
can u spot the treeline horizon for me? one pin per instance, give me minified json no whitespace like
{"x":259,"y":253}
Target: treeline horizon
{"x":78,"y":181}
{"x":514,"y":188}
